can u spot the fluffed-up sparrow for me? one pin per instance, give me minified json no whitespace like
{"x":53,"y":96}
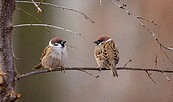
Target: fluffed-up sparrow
{"x":54,"y":55}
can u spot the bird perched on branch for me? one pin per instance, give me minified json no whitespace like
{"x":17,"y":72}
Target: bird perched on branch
{"x":106,"y":54}
{"x":54,"y":55}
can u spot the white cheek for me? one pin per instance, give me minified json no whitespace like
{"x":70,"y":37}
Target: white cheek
{"x":60,"y":51}
{"x":50,"y":44}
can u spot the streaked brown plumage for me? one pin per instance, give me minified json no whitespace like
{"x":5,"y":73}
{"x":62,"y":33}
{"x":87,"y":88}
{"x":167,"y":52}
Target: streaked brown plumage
{"x":106,"y":54}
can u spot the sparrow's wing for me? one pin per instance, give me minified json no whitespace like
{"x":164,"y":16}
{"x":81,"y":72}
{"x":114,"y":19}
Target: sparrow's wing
{"x":115,"y":51}
{"x":44,"y":52}
{"x":110,"y":51}
{"x":101,"y":55}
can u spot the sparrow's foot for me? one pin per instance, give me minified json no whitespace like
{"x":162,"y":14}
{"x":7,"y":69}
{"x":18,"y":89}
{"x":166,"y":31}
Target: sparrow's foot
{"x":62,"y":69}
{"x":50,"y":69}
{"x":100,"y":69}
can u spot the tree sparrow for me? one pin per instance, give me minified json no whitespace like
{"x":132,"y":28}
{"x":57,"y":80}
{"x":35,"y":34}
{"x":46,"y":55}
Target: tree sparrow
{"x":106,"y":54}
{"x":53,"y":55}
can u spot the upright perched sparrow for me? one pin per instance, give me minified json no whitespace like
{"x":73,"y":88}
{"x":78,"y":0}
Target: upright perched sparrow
{"x":106,"y":54}
{"x":53,"y":55}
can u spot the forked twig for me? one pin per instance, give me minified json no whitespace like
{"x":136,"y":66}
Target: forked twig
{"x":162,"y":50}
{"x":142,"y":18}
{"x":61,"y":7}
{"x":35,"y":19}
{"x":139,"y":19}
{"x":40,"y":22}
{"x":40,"y":2}
{"x":92,"y":68}
{"x":39,"y":9}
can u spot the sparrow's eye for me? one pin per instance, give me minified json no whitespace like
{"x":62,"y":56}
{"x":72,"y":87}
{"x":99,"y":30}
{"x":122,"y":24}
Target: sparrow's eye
{"x":55,"y":44}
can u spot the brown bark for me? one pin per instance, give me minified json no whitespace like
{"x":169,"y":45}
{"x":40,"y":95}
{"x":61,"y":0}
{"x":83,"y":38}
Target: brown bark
{"x":7,"y":69}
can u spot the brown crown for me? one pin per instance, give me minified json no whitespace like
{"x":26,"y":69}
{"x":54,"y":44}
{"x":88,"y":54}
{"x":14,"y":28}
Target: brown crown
{"x":103,"y":38}
{"x":56,"y":40}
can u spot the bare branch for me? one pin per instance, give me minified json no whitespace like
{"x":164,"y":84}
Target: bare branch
{"x":96,"y":76}
{"x":39,"y":9}
{"x":92,"y":68}
{"x":46,"y":25}
{"x":139,"y":19}
{"x":61,"y":7}
{"x":50,"y":32}
{"x":41,"y":2}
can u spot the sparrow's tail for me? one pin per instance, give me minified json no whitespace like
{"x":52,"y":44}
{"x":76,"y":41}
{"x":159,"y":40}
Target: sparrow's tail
{"x":114,"y":70}
{"x":38,"y":66}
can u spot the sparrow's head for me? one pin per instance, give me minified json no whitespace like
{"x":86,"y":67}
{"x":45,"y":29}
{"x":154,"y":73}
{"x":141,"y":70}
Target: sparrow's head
{"x":57,"y":42}
{"x":101,"y":39}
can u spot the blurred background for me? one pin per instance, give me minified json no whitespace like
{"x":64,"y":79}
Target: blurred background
{"x":133,"y":41}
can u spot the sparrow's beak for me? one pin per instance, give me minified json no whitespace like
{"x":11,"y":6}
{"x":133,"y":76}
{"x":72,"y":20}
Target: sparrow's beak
{"x":96,"y":42}
{"x":63,"y":43}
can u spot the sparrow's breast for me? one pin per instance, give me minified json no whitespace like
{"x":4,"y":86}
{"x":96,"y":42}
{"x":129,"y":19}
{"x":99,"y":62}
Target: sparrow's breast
{"x":60,"y":53}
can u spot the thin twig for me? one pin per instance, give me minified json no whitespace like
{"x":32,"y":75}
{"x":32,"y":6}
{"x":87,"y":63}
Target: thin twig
{"x":14,"y":54}
{"x":163,"y":60}
{"x":92,"y":68}
{"x":166,"y":55}
{"x":155,"y":62}
{"x":39,"y":9}
{"x":35,"y":19}
{"x":45,"y":25}
{"x":50,"y":32}
{"x":138,"y":18}
{"x":166,"y":76}
{"x":127,"y":62}
{"x":142,"y":18}
{"x":149,"y":75}
{"x":96,"y":76}
{"x":61,"y":7}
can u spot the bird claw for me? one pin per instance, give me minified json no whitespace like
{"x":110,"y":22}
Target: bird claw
{"x":100,"y":69}
{"x":62,"y":69}
{"x":50,"y":69}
